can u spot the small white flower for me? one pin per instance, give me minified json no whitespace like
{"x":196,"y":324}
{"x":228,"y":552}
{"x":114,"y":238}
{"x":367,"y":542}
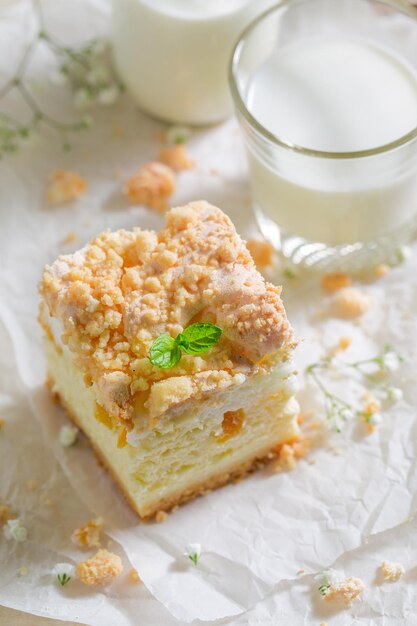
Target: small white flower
{"x":346,"y":414}
{"x":82,"y":98}
{"x":404,"y":253}
{"x":63,"y":572}
{"x":177,"y":134}
{"x":395,"y":394}
{"x":109,"y":95}
{"x":326,"y":578}
{"x":374,"y":418}
{"x":193,"y":552}
{"x":68,"y":435}
{"x":14,"y":529}
{"x":390,"y":361}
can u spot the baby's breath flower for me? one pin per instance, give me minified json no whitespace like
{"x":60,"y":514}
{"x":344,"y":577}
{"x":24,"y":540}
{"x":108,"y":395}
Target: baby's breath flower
{"x":82,"y":98}
{"x":326,"y":578}
{"x":395,"y":394}
{"x":193,"y":552}
{"x":390,"y":361}
{"x":404,"y":253}
{"x":63,"y":572}
{"x":68,"y":436}
{"x":14,"y":529}
{"x":373,"y":418}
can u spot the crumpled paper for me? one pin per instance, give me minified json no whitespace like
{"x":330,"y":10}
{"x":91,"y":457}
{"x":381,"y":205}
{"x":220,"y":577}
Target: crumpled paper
{"x":351,"y":509}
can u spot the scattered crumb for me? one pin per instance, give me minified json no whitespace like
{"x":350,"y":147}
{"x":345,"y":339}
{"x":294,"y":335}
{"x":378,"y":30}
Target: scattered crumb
{"x":2,"y":422}
{"x":343,"y":344}
{"x":65,"y":186}
{"x":49,"y":502}
{"x":161,"y":516}
{"x":214,"y":171}
{"x":350,"y":302}
{"x":23,"y":571}
{"x":313,"y":461}
{"x":70,"y":238}
{"x":335,"y":281}
{"x":323,"y":624}
{"x":89,"y":534}
{"x":392,"y":571}
{"x":176,"y":157}
{"x":290,"y":453}
{"x":32,"y":485}
{"x":300,"y":571}
{"x":134,"y":576}
{"x":344,"y":591}
{"x":262,"y":252}
{"x":381,"y":270}
{"x":152,"y":184}
{"x":101,"y":569}
{"x":5,"y":514}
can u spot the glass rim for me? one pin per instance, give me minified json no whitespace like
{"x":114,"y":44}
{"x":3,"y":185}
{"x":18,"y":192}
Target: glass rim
{"x":399,"y":5}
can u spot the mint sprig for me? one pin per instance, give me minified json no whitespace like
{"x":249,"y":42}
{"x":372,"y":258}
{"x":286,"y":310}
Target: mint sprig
{"x":197,"y":338}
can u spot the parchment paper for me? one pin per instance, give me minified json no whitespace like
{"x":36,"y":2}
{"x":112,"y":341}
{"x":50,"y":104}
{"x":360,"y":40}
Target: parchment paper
{"x":351,"y":509}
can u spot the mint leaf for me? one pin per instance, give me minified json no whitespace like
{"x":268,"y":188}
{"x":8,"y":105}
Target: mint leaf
{"x":164,"y":352}
{"x":198,"y":338}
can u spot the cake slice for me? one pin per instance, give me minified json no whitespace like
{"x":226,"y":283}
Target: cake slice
{"x":168,"y":434}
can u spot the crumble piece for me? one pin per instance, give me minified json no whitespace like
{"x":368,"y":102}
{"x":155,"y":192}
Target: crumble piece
{"x":392,"y":571}
{"x":161,"y":517}
{"x":176,"y":157}
{"x":32,"y":485}
{"x":71,"y":237}
{"x":350,"y":302}
{"x":152,"y":184}
{"x":381,"y":270}
{"x":101,"y":569}
{"x":344,"y":591}
{"x":335,"y":281}
{"x":134,"y":576}
{"x":262,"y":252}
{"x":2,"y":422}
{"x":5,"y":514}
{"x":65,"y":186}
{"x":88,"y":536}
{"x":290,"y":453}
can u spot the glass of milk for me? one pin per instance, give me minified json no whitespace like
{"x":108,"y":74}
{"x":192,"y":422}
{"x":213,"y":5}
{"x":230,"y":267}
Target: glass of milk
{"x":326,"y":95}
{"x":173,"y":55}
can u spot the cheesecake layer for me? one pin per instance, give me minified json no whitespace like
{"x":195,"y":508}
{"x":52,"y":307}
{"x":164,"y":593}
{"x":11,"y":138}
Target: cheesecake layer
{"x":197,"y":450}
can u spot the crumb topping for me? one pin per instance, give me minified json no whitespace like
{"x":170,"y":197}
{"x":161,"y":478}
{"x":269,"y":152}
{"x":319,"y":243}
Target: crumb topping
{"x":335,"y":281}
{"x":290,"y":453}
{"x":88,"y":536}
{"x":345,"y":591}
{"x":161,"y":517}
{"x":65,"y":186}
{"x":151,"y":185}
{"x":392,"y":571}
{"x":134,"y":576}
{"x":5,"y":514}
{"x":101,"y":569}
{"x":351,"y":302}
{"x":262,"y":252}
{"x":124,"y":289}
{"x":176,"y":157}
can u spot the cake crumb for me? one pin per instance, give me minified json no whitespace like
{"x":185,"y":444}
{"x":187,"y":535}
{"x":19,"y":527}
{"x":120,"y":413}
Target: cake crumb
{"x":32,"y":485}
{"x":392,"y":571}
{"x":344,"y":591}
{"x":65,"y":186}
{"x":101,"y":569}
{"x":49,"y":502}
{"x":151,"y":185}
{"x":161,"y":516}
{"x":290,"y":453}
{"x":261,"y":251}
{"x":176,"y":157}
{"x":134,"y":576}
{"x":342,"y":345}
{"x":335,"y":281}
{"x":350,"y":302}
{"x":2,"y":422}
{"x":381,"y":270}
{"x":70,"y":238}
{"x":88,"y":536}
{"x":5,"y":514}
{"x":300,"y":571}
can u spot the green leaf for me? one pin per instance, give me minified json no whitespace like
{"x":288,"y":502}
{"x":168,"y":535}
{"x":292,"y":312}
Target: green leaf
{"x":63,"y":579}
{"x":164,"y":352}
{"x":198,"y":338}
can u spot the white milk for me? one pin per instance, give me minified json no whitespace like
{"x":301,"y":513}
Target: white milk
{"x":336,"y":96}
{"x":173,"y":54}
